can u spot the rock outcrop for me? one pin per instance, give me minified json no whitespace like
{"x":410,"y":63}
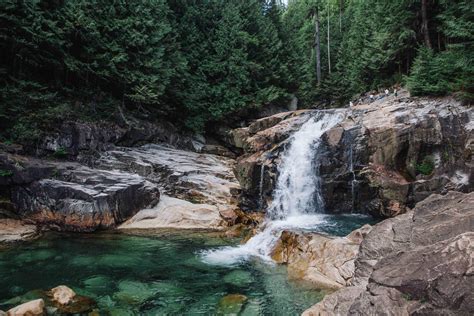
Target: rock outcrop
{"x":417,"y":263}
{"x":81,"y":139}
{"x":199,"y":188}
{"x":327,"y":262}
{"x":176,"y":213}
{"x":69,"y":196}
{"x":382,"y":158}
{"x":12,"y":230}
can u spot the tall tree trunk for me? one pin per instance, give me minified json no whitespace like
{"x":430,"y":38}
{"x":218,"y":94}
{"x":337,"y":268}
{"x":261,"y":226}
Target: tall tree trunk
{"x":317,"y":47}
{"x":424,"y":23}
{"x":329,"y":46}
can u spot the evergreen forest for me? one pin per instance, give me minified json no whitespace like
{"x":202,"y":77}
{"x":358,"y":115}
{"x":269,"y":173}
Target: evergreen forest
{"x":198,"y":62}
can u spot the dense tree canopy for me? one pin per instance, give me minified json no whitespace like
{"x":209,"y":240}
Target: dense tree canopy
{"x":200,"y":61}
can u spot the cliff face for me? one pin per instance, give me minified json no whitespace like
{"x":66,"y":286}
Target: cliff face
{"x":382,"y":158}
{"x":418,"y":263}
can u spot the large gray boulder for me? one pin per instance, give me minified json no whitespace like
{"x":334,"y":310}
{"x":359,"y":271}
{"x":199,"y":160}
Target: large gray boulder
{"x":419,"y":263}
{"x":71,"y":197}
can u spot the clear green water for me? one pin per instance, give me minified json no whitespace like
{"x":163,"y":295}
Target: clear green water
{"x":137,"y":275}
{"x":158,"y":275}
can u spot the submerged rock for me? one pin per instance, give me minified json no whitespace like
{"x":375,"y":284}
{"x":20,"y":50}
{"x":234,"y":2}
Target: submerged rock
{"x":231,"y":304}
{"x":238,"y":278}
{"x":134,"y":292}
{"x":98,"y":284}
{"x":416,"y":263}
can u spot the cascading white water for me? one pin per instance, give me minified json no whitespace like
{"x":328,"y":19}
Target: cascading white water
{"x":297,"y":199}
{"x":354,"y":181}
{"x":260,"y":186}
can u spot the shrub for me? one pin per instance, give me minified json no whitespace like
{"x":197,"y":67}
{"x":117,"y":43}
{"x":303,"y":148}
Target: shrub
{"x":426,"y":167}
{"x":5,"y":173}
{"x":60,"y":153}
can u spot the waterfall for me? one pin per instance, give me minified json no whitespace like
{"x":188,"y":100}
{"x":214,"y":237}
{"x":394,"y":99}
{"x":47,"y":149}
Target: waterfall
{"x":298,"y":190}
{"x":297,"y":199}
{"x":260,"y":186}
{"x":354,"y":180}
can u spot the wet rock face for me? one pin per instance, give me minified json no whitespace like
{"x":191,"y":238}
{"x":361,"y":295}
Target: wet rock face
{"x":417,"y":263}
{"x":72,"y":197}
{"x":382,"y":158}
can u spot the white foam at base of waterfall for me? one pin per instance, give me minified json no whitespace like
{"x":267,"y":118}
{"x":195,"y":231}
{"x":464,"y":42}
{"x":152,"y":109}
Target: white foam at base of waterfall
{"x":297,"y":199}
{"x":261,"y":245}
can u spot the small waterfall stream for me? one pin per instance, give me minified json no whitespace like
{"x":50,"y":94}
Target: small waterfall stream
{"x":260,"y":186}
{"x":354,"y":181}
{"x":297,"y":199}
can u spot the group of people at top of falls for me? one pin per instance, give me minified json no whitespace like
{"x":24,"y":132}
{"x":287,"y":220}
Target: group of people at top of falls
{"x":372,"y":97}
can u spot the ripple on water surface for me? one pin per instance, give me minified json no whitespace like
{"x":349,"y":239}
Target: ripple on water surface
{"x":139,"y":275}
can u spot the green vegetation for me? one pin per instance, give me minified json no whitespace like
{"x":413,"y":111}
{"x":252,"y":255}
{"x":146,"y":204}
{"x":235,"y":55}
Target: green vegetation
{"x":426,"y":167}
{"x":60,"y":153}
{"x":374,"y":44}
{"x":5,"y":173}
{"x":202,"y":61}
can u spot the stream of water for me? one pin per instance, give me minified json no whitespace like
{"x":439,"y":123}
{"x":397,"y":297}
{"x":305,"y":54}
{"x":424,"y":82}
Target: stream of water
{"x":297,"y":200}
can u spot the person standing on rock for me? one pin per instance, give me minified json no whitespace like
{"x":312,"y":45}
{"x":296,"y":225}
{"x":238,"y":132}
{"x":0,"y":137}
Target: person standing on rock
{"x":395,"y":92}
{"x":371,"y":96}
{"x":387,"y":92}
{"x":351,"y":104}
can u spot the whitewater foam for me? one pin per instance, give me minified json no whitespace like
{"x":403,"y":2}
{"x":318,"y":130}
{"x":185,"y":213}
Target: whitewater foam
{"x":297,"y":200}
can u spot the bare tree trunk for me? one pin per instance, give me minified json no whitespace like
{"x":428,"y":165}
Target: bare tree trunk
{"x":439,"y":41}
{"x":317,"y":47}
{"x":329,"y":46}
{"x":424,"y":23}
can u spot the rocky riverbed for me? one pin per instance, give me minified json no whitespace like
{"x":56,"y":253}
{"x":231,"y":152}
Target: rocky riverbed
{"x":407,"y":159}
